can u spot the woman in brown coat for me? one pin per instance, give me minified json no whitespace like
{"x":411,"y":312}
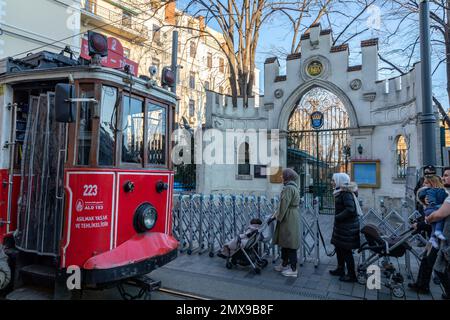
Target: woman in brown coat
{"x":287,"y":231}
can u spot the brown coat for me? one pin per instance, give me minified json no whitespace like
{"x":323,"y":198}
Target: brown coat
{"x":287,"y":231}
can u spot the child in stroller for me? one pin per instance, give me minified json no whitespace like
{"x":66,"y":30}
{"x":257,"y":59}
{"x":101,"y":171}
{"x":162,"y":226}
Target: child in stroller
{"x":243,"y":250}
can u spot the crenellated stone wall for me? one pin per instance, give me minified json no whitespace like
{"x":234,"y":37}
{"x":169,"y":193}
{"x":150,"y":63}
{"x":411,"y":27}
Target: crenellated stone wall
{"x":379,"y":111}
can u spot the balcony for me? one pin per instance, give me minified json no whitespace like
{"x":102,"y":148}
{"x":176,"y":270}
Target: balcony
{"x":117,"y":21}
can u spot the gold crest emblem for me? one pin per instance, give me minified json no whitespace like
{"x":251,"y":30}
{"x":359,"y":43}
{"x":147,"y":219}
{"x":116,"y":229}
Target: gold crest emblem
{"x":314,"y":68}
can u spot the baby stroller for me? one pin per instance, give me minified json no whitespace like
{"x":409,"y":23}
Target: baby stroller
{"x":246,"y":248}
{"x":381,"y":246}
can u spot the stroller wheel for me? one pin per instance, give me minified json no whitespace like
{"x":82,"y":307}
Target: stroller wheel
{"x":361,"y":277}
{"x":263,"y":263}
{"x":257,"y":270}
{"x":398,"y":291}
{"x":211,"y":254}
{"x":189,"y":251}
{"x":229,"y":265}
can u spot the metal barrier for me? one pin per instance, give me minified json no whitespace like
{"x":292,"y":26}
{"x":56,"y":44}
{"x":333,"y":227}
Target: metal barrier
{"x":204,"y":223}
{"x":309,"y":230}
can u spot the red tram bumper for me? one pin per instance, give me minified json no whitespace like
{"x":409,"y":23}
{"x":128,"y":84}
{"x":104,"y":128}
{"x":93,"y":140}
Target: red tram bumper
{"x":138,"y":256}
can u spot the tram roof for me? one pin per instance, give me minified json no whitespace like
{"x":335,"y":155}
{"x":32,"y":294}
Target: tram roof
{"x":11,"y":74}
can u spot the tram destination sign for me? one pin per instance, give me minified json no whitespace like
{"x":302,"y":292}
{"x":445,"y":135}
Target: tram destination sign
{"x":316,"y":120}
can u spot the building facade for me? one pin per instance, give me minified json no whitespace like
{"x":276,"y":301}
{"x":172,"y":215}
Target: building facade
{"x":145,"y":30}
{"x":23,"y":30}
{"x":363,"y":125}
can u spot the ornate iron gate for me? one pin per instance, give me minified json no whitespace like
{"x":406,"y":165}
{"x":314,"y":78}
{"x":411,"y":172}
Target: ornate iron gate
{"x":318,"y":153}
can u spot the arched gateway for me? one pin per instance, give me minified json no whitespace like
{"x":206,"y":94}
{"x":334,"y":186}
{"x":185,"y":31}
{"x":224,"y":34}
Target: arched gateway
{"x":363,"y":118}
{"x":318,"y":142}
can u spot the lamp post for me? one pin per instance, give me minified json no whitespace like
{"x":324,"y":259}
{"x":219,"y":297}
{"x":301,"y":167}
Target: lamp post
{"x":427,"y":118}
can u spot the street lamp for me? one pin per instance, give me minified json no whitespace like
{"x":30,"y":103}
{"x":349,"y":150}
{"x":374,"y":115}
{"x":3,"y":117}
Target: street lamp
{"x":360,"y":149}
{"x":427,"y":118}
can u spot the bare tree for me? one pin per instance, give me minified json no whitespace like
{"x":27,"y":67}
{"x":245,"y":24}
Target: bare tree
{"x":240,"y":22}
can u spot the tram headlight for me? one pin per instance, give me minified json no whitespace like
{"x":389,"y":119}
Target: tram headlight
{"x":145,"y":218}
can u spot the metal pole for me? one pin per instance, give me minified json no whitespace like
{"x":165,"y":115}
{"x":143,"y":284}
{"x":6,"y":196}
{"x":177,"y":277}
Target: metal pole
{"x":427,"y":119}
{"x":175,"y":59}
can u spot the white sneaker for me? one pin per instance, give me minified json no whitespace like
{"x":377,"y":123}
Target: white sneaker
{"x":280,"y":268}
{"x":289,"y":272}
{"x":439,"y":235}
{"x":434,"y":242}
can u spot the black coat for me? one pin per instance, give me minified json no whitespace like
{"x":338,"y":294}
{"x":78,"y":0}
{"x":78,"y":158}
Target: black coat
{"x":346,"y":222}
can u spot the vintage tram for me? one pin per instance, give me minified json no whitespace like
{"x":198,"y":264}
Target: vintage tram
{"x":86,"y":177}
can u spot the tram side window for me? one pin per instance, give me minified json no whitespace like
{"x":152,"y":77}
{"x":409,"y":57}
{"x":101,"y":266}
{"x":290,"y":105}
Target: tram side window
{"x":85,"y":129}
{"x":157,"y":119}
{"x":132,"y":130}
{"x":107,"y":126}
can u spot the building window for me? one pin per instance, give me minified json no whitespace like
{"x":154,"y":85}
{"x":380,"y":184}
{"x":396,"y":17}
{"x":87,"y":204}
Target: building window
{"x":192,"y":49}
{"x":206,"y":85}
{"x":190,"y":28}
{"x":126,"y":19}
{"x":244,"y":159}
{"x":156,"y":33}
{"x":126,"y":52}
{"x":192,"y":80}
{"x":191,"y":107}
{"x":156,"y":62}
{"x":209,"y":60}
{"x":222,"y":65}
{"x":90,"y":5}
{"x":402,"y":157}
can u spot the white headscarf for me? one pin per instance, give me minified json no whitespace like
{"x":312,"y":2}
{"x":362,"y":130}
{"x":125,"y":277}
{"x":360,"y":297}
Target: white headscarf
{"x":340,"y":179}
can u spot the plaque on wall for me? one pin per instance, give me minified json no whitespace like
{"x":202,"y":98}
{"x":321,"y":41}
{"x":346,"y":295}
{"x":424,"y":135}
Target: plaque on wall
{"x":277,"y":177}
{"x":366,"y":173}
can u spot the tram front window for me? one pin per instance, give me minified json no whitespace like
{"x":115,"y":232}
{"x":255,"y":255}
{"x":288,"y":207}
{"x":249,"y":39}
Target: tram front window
{"x":85,"y":130}
{"x":107,"y":126}
{"x":156,"y":132}
{"x":132,"y":130}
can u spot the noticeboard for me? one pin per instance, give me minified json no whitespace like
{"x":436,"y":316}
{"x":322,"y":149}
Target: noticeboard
{"x":366,"y":173}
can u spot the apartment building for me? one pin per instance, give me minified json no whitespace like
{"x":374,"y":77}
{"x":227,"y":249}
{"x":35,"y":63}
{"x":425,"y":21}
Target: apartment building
{"x":23,"y":30}
{"x":145,"y":30}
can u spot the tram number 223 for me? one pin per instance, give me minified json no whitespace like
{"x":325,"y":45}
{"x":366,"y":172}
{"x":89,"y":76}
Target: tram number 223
{"x":90,"y":190}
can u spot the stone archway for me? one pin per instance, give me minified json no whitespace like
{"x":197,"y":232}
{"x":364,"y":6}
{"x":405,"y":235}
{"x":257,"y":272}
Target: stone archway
{"x":301,"y":90}
{"x":318,"y":153}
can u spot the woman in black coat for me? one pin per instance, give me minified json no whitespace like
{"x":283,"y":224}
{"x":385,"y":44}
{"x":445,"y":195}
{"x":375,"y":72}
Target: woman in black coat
{"x":346,"y":227}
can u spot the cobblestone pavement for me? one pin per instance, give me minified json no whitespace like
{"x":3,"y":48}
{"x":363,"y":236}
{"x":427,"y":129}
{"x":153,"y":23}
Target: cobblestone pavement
{"x":207,"y":276}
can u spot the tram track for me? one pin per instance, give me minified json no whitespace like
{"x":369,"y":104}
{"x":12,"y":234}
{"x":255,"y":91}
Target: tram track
{"x":181,"y":294}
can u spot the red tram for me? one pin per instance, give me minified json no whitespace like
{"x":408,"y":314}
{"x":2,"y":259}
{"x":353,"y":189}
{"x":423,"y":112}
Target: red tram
{"x":86,"y":174}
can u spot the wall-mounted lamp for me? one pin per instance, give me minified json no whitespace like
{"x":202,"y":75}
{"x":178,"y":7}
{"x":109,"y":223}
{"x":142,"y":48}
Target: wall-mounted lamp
{"x":360,"y":149}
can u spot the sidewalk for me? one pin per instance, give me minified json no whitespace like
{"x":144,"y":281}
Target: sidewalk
{"x":207,"y":276}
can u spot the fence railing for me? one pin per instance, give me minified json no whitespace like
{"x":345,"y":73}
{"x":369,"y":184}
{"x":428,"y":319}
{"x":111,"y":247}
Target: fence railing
{"x":204,"y":223}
